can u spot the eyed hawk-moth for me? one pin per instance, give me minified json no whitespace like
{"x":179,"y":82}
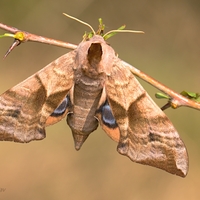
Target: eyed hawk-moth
{"x":90,"y":86}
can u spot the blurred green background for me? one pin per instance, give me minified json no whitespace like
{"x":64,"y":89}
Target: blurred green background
{"x":168,"y":51}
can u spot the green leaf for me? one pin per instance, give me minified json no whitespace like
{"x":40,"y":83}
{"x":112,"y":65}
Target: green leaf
{"x":191,"y":95}
{"x":7,"y":35}
{"x":160,"y":95}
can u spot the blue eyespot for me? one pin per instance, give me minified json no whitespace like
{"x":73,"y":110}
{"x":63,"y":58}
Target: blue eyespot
{"x":62,"y":107}
{"x":107,"y":116}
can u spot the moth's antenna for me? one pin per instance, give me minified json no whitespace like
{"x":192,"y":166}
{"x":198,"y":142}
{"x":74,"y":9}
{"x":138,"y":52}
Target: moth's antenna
{"x":107,"y":35}
{"x":82,"y":22}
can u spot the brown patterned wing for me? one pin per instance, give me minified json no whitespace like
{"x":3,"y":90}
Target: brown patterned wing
{"x":146,"y":134}
{"x":25,"y":109}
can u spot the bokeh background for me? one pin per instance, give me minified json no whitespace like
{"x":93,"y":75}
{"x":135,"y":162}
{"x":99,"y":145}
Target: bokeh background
{"x":168,"y":51}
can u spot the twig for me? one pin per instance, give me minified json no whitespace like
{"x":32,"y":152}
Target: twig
{"x":36,"y":38}
{"x":177,"y":100}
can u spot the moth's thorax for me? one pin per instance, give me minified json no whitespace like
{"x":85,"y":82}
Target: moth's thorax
{"x":90,"y":69}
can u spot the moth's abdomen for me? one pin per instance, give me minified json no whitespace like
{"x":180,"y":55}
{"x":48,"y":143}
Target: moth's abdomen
{"x":82,"y":116}
{"x":85,"y":100}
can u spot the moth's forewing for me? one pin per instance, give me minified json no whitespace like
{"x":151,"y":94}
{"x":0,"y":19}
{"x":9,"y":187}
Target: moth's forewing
{"x":146,"y":134}
{"x":25,"y":108}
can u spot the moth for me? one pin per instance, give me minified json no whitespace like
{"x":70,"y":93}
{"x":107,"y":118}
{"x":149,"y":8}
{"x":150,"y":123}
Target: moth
{"x":90,"y":86}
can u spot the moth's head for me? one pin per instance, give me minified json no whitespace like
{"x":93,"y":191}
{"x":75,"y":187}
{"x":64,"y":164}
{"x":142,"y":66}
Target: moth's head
{"x":95,"y":53}
{"x":94,"y":50}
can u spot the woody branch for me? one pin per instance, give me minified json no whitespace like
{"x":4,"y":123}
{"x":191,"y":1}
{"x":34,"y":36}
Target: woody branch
{"x":176,"y":99}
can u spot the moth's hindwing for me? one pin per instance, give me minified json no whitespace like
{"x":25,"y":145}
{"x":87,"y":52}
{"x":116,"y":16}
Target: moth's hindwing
{"x":108,"y":122}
